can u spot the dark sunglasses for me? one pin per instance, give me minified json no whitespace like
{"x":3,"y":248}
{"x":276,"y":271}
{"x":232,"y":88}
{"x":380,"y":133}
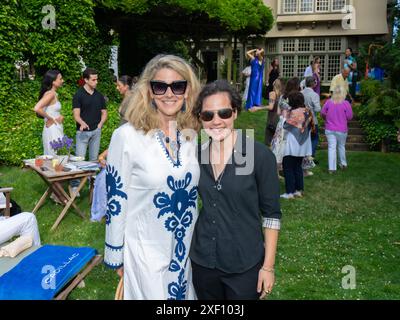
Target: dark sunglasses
{"x":160,"y":87}
{"x":225,"y":113}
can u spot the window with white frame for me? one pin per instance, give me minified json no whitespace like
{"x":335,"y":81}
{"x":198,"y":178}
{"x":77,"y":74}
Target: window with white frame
{"x":289,"y":45}
{"x":271,"y":47}
{"x":337,"y":5}
{"x":295,"y":58}
{"x":321,"y":5}
{"x":288,"y":66}
{"x":289,"y":6}
{"x":306,"y":6}
{"x":335,"y":44}
{"x":304,"y":45}
{"x":319,"y":44}
{"x":302,"y":63}
{"x":333,"y":65}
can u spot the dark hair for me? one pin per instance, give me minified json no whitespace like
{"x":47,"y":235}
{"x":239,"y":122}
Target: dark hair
{"x":126,"y":81}
{"x":47,"y":82}
{"x":273,"y":63}
{"x":218,"y":86}
{"x":293,"y":84}
{"x":88,"y":72}
{"x":296,"y":100}
{"x":351,"y":50}
{"x":310,"y":81}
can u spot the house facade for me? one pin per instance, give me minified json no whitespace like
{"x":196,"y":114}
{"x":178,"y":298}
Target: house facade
{"x":304,"y":29}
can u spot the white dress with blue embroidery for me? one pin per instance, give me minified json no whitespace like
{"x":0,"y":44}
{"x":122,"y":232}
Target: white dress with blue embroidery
{"x":151,"y":213}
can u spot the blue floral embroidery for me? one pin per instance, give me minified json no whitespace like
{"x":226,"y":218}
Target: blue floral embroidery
{"x":177,"y":290}
{"x":180,"y":218}
{"x":114,"y":186}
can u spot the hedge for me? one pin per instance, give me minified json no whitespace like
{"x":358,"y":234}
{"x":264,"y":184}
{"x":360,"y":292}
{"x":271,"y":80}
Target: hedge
{"x":21,"y":130}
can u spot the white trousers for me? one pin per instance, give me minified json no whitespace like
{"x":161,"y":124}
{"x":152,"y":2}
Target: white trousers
{"x":22,"y":224}
{"x":336,"y":140}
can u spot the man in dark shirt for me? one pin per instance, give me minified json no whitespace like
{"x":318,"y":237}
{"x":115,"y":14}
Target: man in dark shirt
{"x":90,"y":114}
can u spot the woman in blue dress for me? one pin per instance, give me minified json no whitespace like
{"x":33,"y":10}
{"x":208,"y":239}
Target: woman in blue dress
{"x":257,"y":61}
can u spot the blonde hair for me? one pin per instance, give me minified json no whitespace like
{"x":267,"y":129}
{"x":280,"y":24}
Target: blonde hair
{"x":278,"y":87}
{"x":338,"y":94}
{"x":140,"y":112}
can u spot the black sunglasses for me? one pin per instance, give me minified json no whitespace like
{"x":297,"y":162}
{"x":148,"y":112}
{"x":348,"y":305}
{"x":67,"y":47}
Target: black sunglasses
{"x":225,"y":113}
{"x":160,"y":87}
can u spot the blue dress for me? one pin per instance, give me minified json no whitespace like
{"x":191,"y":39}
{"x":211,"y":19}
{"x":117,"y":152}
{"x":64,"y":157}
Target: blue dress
{"x":254,"y":97}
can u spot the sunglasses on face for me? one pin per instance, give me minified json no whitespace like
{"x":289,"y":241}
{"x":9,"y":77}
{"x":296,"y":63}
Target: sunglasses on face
{"x":160,"y":87}
{"x":225,"y":113}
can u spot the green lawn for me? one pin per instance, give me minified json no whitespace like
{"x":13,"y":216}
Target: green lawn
{"x":351,"y":218}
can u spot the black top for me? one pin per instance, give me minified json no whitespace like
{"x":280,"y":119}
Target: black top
{"x":228,"y":234}
{"x":90,"y":105}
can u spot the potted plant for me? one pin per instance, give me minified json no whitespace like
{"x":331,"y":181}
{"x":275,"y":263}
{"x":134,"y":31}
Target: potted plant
{"x":62,"y":147}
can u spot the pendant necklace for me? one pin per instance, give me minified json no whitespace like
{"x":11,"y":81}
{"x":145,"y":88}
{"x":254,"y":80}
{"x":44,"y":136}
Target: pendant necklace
{"x":218,"y":184}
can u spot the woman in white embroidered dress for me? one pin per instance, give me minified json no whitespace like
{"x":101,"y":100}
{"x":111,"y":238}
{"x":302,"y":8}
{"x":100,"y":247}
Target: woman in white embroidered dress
{"x":49,"y":108}
{"x":152,"y":177}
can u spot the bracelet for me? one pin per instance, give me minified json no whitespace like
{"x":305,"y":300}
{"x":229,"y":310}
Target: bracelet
{"x":272,"y":270}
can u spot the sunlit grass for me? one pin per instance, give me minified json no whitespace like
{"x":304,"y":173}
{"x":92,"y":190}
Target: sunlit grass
{"x":347,"y":219}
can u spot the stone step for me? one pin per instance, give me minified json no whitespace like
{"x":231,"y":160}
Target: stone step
{"x":350,"y":146}
{"x":352,"y":131}
{"x":353,"y":124}
{"x":350,"y":138}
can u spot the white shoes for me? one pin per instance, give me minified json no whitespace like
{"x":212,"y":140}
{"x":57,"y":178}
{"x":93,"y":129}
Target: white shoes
{"x":287,"y":196}
{"x":298,"y":194}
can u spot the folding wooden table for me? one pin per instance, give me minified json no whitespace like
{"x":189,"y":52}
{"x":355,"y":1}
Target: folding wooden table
{"x":54,"y":180}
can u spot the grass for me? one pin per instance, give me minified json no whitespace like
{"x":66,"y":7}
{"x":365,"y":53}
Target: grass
{"x":347,"y":219}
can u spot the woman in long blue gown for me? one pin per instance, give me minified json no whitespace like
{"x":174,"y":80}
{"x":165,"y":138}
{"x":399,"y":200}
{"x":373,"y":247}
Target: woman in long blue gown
{"x":254,"y":97}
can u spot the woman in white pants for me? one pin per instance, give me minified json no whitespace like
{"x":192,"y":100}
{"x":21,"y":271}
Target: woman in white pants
{"x":337,"y":112}
{"x":22,"y":224}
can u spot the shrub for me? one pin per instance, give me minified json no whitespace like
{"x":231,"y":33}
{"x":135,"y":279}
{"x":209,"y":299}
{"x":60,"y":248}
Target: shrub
{"x":380,"y":119}
{"x":21,"y":130}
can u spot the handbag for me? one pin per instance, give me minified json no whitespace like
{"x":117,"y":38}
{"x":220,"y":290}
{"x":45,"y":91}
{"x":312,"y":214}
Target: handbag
{"x":119,"y":293}
{"x":308,"y":163}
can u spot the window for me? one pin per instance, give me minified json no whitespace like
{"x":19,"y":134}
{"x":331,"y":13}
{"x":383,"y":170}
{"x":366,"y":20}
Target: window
{"x":288,"y":66}
{"x":333,"y":65}
{"x":306,"y":5}
{"x":322,"y":5}
{"x":319,"y":44}
{"x":335,"y":44}
{"x":337,"y":5}
{"x":271,"y":47}
{"x":289,"y":6}
{"x":289,"y":45}
{"x":304,"y":45}
{"x":302,"y":63}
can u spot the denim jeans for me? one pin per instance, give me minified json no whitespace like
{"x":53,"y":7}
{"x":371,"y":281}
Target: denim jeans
{"x":314,"y":141}
{"x":83,"y":140}
{"x":293,"y":174}
{"x":336,"y":140}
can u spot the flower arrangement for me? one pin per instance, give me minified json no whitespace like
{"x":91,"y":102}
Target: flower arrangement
{"x":62,"y":146}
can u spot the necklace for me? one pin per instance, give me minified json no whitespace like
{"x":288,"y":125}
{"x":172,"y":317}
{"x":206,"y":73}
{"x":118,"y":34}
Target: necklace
{"x":171,"y":146}
{"x":218,"y":184}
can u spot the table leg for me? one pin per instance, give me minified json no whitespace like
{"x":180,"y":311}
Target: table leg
{"x":41,"y":201}
{"x":68,"y":204}
{"x":67,"y":197}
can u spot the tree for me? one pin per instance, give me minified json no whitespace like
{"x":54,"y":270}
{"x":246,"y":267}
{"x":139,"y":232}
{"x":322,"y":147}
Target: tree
{"x":191,"y":21}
